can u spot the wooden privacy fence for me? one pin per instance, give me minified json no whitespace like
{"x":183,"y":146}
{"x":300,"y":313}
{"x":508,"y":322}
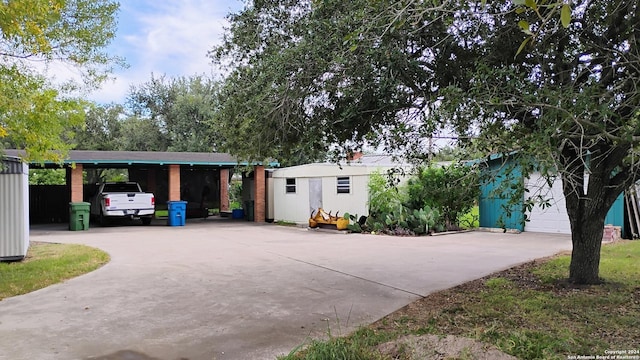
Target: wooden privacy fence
{"x":48,"y":204}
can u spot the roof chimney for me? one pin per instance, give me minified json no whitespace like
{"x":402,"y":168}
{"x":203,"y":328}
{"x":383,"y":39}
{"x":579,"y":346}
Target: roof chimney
{"x":354,"y":155}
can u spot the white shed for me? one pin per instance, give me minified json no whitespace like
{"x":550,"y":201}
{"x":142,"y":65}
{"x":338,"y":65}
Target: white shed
{"x":299,"y":190}
{"x":14,"y":209}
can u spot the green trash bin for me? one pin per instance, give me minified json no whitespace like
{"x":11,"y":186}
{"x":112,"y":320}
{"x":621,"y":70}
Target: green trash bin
{"x":79,"y":214}
{"x":248,"y":209}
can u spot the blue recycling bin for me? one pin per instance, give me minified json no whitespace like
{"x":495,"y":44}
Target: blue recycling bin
{"x":177,"y":213}
{"x":237,"y":214}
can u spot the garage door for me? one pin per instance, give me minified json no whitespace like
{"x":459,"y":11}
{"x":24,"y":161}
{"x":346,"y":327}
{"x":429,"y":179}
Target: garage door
{"x":553,"y":219}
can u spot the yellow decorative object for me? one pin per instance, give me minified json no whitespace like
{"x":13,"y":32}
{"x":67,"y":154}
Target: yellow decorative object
{"x":321,"y":218}
{"x":342,"y":224}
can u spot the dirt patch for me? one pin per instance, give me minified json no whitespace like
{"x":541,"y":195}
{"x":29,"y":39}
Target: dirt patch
{"x":452,"y":319}
{"x":433,"y":347}
{"x":416,"y":314}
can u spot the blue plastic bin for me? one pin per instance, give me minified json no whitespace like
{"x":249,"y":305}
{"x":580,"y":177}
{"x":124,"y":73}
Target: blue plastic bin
{"x":177,"y":213}
{"x":237,"y":214}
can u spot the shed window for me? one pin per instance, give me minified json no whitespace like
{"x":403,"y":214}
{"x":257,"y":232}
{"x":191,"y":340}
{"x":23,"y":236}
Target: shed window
{"x":291,"y":186}
{"x":344,"y":185}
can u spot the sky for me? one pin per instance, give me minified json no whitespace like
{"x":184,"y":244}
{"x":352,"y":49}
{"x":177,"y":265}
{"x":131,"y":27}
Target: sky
{"x":169,"y":37}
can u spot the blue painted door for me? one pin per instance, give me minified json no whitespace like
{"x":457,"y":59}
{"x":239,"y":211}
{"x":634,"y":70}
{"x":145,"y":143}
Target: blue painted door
{"x":495,"y":194}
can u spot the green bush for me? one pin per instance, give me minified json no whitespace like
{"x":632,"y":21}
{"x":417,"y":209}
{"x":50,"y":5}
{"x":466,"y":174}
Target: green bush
{"x":354,"y":223}
{"x":433,"y":200}
{"x":384,"y":197}
{"x":421,"y":221}
{"x":385,"y":204}
{"x":388,"y":212}
{"x":235,"y":195}
{"x":453,"y":190}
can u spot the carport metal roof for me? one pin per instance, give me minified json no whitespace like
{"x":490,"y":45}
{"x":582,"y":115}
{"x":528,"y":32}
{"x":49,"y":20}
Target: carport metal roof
{"x":95,"y":158}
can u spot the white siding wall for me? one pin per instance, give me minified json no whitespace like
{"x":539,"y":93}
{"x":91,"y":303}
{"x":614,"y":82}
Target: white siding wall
{"x":291,"y":207}
{"x":553,"y":219}
{"x":354,"y":202}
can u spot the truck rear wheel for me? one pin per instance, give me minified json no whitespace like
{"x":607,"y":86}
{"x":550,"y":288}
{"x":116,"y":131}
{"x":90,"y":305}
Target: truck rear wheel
{"x":102,"y":220}
{"x":146,"y":220}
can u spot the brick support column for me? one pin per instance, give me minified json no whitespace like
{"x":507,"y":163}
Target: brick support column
{"x":77,"y":193}
{"x":259,"y":210}
{"x":174,"y":182}
{"x":224,"y":190}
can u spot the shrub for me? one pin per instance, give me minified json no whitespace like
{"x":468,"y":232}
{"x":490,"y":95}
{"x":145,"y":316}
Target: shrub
{"x":384,"y":202}
{"x":235,"y":195}
{"x":388,"y":212}
{"x":453,"y":190}
{"x":384,"y":197}
{"x":421,"y":221}
{"x":355,"y":223}
{"x":433,"y":200}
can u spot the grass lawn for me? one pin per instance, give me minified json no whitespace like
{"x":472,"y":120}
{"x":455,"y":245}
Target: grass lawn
{"x":162,"y":213}
{"x":471,"y":219}
{"x":528,"y":312}
{"x":48,"y":264}
{"x":165,"y":213}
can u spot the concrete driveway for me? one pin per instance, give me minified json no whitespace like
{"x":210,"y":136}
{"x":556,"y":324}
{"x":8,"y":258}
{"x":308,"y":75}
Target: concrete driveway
{"x":237,"y":290}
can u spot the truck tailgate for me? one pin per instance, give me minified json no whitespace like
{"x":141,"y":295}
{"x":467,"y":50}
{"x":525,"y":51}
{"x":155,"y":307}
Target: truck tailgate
{"x":129,"y":201}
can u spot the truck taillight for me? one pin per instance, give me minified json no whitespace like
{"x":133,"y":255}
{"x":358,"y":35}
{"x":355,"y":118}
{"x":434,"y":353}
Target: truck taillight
{"x":153,"y":201}
{"x":107,"y":202}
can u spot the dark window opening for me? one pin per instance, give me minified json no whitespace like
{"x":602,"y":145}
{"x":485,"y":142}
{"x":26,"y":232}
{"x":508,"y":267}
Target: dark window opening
{"x":344,"y":185}
{"x":290,"y":186}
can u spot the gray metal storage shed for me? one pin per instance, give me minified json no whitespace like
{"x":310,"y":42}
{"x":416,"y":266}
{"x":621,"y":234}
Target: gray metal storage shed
{"x":14,"y":209}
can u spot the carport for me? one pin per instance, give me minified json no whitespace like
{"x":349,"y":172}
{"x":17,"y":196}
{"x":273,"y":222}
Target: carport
{"x":171,"y":176}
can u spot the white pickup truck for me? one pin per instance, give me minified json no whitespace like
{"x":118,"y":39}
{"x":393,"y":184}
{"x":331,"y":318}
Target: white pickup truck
{"x":122,"y":200}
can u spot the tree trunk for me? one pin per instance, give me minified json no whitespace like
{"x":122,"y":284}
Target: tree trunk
{"x":586,"y":236}
{"x":587,"y":225}
{"x":587,"y":213}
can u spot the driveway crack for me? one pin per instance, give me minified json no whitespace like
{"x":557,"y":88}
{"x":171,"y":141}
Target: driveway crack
{"x":349,"y":275}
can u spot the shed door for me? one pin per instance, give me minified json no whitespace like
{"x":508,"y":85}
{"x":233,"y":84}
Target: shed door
{"x":554,"y":219}
{"x":315,"y":194}
{"x":495,"y":197}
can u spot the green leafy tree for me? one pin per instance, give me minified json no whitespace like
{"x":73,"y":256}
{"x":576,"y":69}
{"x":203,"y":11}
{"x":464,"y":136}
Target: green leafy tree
{"x":35,"y":114}
{"x":452,"y":189}
{"x":182,"y":108}
{"x":34,"y":117}
{"x":111,"y":127}
{"x":341,"y":73}
{"x":567,"y":104}
{"x":47,"y":176}
{"x":300,"y":82}
{"x":101,"y":129}
{"x":140,"y":135}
